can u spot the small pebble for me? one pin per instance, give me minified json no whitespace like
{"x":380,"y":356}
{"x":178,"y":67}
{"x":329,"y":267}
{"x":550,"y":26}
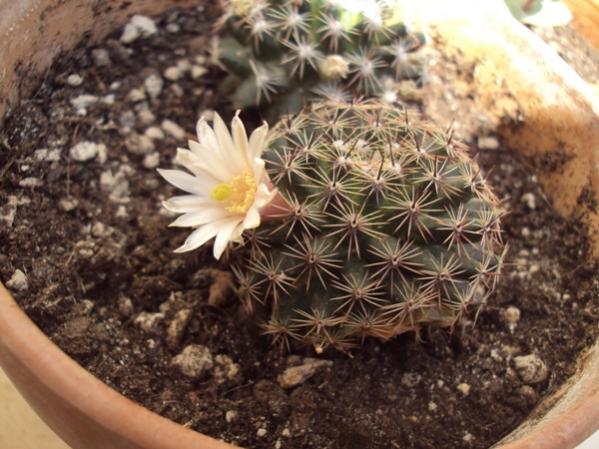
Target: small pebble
{"x":198,"y":71}
{"x":194,"y":361}
{"x":173,"y":28}
{"x":530,"y":200}
{"x":468,"y":438}
{"x":152,"y":160}
{"x":139,"y":144}
{"x":18,"y":281}
{"x":127,"y":122}
{"x":154,"y":133}
{"x":135,"y":95}
{"x":176,"y":90}
{"x":101,"y":57}
{"x":149,"y":322}
{"x":495,"y":355}
{"x":82,"y":102}
{"x":9,"y":211}
{"x":225,"y":369}
{"x":176,"y":328}
{"x":286,"y":432}
{"x":102,"y":156}
{"x":488,"y":143}
{"x":410,"y":379}
{"x":153,"y":85}
{"x":184,"y":65}
{"x":85,"y":151}
{"x":138,"y":26}
{"x":121,"y":212}
{"x":511,"y":315}
{"x":30,"y":182}
{"x":529,"y":394}
{"x":230,"y":416}
{"x":99,"y":229}
{"x":525,"y":232}
{"x":297,"y":375}
{"x":125,"y":306}
{"x":74,"y":80}
{"x":173,"y":73}
{"x":41,"y":154}
{"x":146,"y":117}
{"x":432,"y":406}
{"x":531,"y":369}
{"x":173,"y":129}
{"x":464,"y":388}
{"x":108,"y":99}
{"x":261,"y":432}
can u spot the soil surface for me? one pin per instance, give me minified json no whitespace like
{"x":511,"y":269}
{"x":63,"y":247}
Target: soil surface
{"x":85,"y":249}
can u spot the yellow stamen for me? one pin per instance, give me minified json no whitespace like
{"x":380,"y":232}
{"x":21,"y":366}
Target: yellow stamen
{"x":221,"y":192}
{"x":237,"y":195}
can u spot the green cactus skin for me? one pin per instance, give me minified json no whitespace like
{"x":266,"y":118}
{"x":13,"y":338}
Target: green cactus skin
{"x":388,"y":226}
{"x":281,"y":53}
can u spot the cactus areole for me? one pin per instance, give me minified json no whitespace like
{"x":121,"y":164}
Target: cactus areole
{"x":382,"y":224}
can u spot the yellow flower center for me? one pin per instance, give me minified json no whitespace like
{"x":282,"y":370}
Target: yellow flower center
{"x":237,"y":195}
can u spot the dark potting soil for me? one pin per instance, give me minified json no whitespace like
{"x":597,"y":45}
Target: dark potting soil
{"x":85,"y":249}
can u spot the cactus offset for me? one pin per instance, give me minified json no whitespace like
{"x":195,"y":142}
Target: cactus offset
{"x":388,"y":226}
{"x":281,"y":53}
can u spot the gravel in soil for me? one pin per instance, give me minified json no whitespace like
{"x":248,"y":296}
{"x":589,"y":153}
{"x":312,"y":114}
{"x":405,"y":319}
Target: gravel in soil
{"x":85,"y":249}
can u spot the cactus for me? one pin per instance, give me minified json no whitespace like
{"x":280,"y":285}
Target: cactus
{"x":281,"y":53}
{"x":387,"y":225}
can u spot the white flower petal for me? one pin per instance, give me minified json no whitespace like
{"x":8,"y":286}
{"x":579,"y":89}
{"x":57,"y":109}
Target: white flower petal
{"x":229,"y":153}
{"x":224,"y":236}
{"x":258,"y":140}
{"x":252,"y":219}
{"x":206,"y":136}
{"x":259,"y":168}
{"x":198,"y":237}
{"x":200,"y":217}
{"x":264,"y":196}
{"x":209,"y":167}
{"x":240,"y":138}
{"x":184,"y":181}
{"x":186,"y":203}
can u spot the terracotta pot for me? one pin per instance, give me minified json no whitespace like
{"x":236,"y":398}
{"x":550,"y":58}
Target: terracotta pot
{"x":86,"y":413}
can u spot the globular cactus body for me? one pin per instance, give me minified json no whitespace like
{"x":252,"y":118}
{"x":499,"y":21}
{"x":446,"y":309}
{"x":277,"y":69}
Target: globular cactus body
{"x":386,"y":226}
{"x":279,"y":53}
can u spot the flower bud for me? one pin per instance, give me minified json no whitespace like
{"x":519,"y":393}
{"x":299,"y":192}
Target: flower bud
{"x":334,"y":67}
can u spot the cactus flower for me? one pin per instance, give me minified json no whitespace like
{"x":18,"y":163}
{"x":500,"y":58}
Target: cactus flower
{"x":227,"y":184}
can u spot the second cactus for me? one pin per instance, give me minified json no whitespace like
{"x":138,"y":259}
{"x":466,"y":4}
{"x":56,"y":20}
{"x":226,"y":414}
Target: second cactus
{"x":281,"y":53}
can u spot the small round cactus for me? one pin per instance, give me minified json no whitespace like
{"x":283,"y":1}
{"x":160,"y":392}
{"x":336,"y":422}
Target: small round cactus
{"x":280,"y":53}
{"x":383,"y":225}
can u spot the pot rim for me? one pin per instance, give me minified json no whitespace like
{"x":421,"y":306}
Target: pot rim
{"x":22,"y":341}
